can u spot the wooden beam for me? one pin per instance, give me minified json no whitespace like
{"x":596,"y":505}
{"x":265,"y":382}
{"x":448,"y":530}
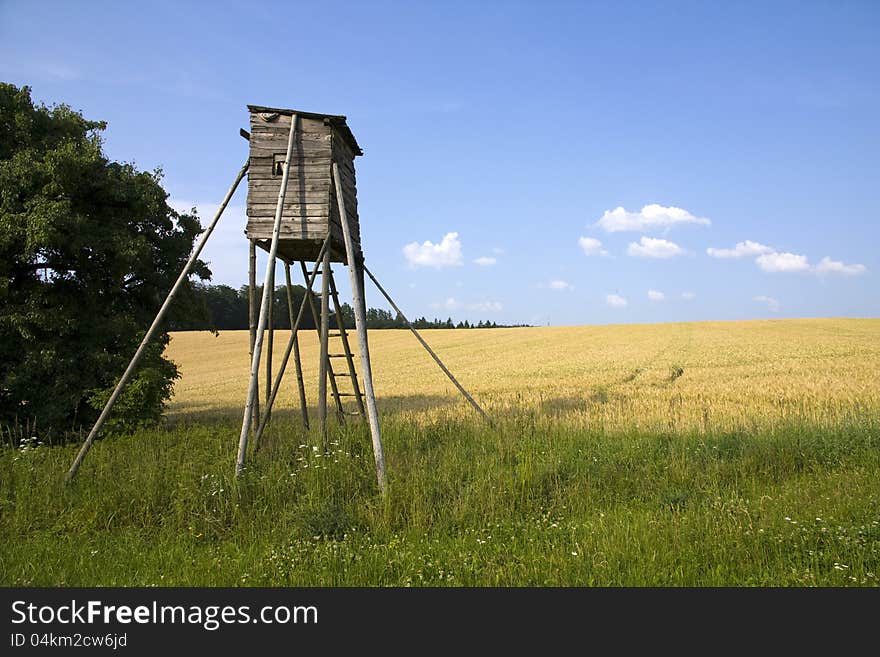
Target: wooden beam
{"x":325,"y":330}
{"x":270,"y":339}
{"x":261,"y":325}
{"x":429,"y":350}
{"x":346,"y":348}
{"x":316,"y":318}
{"x":297,"y":361}
{"x":154,"y":327}
{"x":252,"y":316}
{"x":290,"y":342}
{"x":355,"y":264}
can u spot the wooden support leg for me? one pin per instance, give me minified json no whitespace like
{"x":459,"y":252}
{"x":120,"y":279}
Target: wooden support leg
{"x":261,"y":323}
{"x":355,"y":265}
{"x":252,"y":317}
{"x":157,"y":322}
{"x":346,"y":348}
{"x":270,"y":340}
{"x":296,"y":357}
{"x":290,"y":342}
{"x":429,"y":350}
{"x":316,"y":318}
{"x":325,"y":331}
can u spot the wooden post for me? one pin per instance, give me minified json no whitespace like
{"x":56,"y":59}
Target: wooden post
{"x":290,"y":342}
{"x":252,"y":315}
{"x":325,"y":330}
{"x":429,"y":350}
{"x":296,"y":358}
{"x":316,"y":318}
{"x":261,"y":324}
{"x":270,"y":339}
{"x":132,"y":365}
{"x":359,"y":304}
{"x":346,"y":348}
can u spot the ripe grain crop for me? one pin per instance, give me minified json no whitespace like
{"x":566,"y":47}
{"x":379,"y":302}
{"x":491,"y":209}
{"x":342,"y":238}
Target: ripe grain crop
{"x":702,"y":454}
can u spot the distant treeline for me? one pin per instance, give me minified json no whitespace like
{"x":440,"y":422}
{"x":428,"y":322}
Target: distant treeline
{"x":223,"y":308}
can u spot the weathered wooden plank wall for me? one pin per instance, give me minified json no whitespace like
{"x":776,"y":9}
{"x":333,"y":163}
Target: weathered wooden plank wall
{"x":310,"y":208}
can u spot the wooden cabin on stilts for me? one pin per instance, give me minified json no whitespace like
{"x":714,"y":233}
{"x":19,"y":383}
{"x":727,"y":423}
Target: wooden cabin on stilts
{"x":301,"y":209}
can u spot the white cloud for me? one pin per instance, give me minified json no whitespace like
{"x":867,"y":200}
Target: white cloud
{"x":487,"y":306}
{"x":592,"y":246}
{"x":485,"y":261}
{"x":654,"y":295}
{"x":742,"y":249}
{"x":560,"y":285}
{"x":497,"y":250}
{"x":828,"y":266}
{"x":615,"y":301}
{"x":445,"y":254}
{"x":649,"y":247}
{"x":782,"y":262}
{"x":772,"y":303}
{"x":650,"y":217}
{"x":687,"y":296}
{"x":449,"y":304}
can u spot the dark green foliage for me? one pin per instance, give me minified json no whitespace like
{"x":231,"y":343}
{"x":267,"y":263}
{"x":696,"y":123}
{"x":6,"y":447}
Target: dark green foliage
{"x":221,"y":308}
{"x":88,"y":250}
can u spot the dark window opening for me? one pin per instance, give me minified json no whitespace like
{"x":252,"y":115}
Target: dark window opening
{"x":278,"y":164}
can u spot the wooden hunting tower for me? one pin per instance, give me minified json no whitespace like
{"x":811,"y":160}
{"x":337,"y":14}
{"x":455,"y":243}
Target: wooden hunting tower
{"x":301,"y":209}
{"x":310,"y":205}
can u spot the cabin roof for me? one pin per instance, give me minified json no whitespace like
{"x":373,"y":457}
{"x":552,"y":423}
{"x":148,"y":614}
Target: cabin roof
{"x":336,"y":120}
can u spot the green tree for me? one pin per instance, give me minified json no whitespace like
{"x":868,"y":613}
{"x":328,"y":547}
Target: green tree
{"x":88,"y":250}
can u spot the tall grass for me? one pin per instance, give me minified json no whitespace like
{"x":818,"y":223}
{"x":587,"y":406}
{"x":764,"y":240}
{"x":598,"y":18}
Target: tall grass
{"x":536,"y":501}
{"x":713,"y":453}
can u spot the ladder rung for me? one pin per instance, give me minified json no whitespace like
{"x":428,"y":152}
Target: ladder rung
{"x":352,"y":412}
{"x":335,"y":335}
{"x":341,"y":374}
{"x":336,"y":355}
{"x":319,"y":271}
{"x":349,"y":394}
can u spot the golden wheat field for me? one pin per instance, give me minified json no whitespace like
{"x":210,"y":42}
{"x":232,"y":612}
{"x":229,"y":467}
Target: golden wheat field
{"x":677,"y":376}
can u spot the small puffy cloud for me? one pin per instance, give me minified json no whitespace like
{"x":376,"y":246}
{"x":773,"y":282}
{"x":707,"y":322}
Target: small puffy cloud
{"x":782,"y":262}
{"x":591,"y":246}
{"x":741,"y":250}
{"x":449,"y":304}
{"x":771,"y":303}
{"x":828,"y":266}
{"x":654,"y":295}
{"x":487,"y":306}
{"x":650,"y":217}
{"x":560,"y":285}
{"x":485,"y":261}
{"x":445,"y":254}
{"x":649,"y":247}
{"x":615,"y":301}
{"x":687,"y":296}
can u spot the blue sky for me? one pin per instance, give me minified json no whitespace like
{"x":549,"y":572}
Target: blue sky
{"x":519,"y":135}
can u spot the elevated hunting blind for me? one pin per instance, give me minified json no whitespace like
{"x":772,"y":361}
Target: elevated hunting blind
{"x":310,"y":205}
{"x":301,"y":208}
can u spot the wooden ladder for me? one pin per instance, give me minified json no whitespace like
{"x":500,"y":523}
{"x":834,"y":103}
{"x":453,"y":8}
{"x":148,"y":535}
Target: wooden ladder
{"x":340,"y":333}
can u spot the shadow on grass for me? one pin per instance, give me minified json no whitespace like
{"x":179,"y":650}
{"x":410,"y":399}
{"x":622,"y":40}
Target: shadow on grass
{"x":289,"y":410}
{"x":565,"y":405}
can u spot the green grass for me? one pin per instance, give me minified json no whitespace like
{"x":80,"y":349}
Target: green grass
{"x":537,"y":501}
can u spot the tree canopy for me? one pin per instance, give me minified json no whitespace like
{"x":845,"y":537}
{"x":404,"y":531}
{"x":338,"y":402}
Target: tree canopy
{"x":88,"y":249}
